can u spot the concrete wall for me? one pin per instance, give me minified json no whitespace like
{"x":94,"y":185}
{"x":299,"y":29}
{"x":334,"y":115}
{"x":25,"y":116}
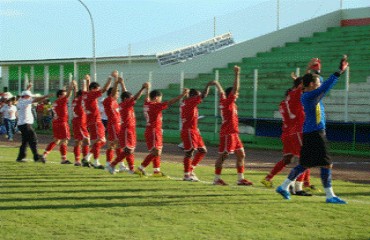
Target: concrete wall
{"x":356,"y":13}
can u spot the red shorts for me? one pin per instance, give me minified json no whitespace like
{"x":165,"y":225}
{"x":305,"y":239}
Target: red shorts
{"x":230,"y":143}
{"x":113,"y":131}
{"x":154,"y":138}
{"x":191,"y":139}
{"x":80,"y":130}
{"x":292,"y":144}
{"x":97,"y":131}
{"x":127,"y":138}
{"x":61,"y":130}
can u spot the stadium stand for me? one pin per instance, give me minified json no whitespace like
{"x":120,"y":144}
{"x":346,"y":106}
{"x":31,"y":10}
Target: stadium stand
{"x":274,"y":68}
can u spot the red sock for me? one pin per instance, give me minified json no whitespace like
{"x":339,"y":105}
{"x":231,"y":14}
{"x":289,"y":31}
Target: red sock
{"x":77,"y":153}
{"x":197,"y":158}
{"x":157,"y":162}
{"x":118,"y":159}
{"x":218,"y":171}
{"x":110,"y":154}
{"x":307,"y":178}
{"x":130,"y":161}
{"x":63,"y":151}
{"x":118,"y":151}
{"x":147,"y":160}
{"x":300,"y":178}
{"x":85,"y":150}
{"x":277,"y":168}
{"x":95,"y":149}
{"x":49,"y":148}
{"x":187,"y":164}
{"x":240,"y":169}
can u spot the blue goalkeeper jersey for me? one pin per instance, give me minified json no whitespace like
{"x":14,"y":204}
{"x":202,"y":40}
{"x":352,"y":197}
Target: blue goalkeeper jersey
{"x":313,"y":106}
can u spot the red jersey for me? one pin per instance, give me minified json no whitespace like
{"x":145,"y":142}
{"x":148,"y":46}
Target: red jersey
{"x":78,"y":109}
{"x":127,"y":112}
{"x":60,"y":110}
{"x":111,"y":108}
{"x":287,"y":120}
{"x":189,"y":112}
{"x":229,"y":115}
{"x":295,"y":107}
{"x":91,"y":106}
{"x":153,"y":113}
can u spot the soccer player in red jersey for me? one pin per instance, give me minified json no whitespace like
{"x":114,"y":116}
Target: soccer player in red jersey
{"x":229,"y":134}
{"x":111,"y":108}
{"x":153,"y":108}
{"x":94,"y":122}
{"x":190,"y":134}
{"x":127,"y":136}
{"x":60,"y":123}
{"x":79,"y":125}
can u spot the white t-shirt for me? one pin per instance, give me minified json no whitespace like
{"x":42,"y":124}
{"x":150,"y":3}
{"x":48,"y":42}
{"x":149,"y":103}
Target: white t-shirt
{"x":9,"y":112}
{"x":25,"y":115}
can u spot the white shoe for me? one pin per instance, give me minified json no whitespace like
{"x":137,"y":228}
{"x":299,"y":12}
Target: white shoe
{"x":194,"y":177}
{"x":97,"y":164}
{"x":123,"y":168}
{"x":110,"y":169}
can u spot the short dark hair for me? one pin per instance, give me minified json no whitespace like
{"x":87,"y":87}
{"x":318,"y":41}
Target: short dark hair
{"x":193,"y":92}
{"x":125,"y":95}
{"x":307,"y":79}
{"x":155,"y":93}
{"x":109,"y":91}
{"x":297,"y":81}
{"x":93,"y":85}
{"x":228,"y":91}
{"x":79,"y":93}
{"x":60,"y":92}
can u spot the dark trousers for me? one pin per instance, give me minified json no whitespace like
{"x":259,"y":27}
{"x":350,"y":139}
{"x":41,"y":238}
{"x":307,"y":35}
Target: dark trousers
{"x":28,"y":137}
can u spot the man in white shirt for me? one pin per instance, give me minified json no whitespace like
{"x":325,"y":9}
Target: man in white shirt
{"x":25,"y":121}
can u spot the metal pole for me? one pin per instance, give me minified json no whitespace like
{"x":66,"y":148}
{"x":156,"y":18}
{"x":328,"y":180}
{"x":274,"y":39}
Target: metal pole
{"x":182,"y":77}
{"x":217,"y":76}
{"x":346,"y":96}
{"x":297,"y":72}
{"x":255,"y":88}
{"x":61,"y":76}
{"x":32,"y":77}
{"x":46,"y":80}
{"x":25,"y":83}
{"x":19,"y":80}
{"x":93,"y":39}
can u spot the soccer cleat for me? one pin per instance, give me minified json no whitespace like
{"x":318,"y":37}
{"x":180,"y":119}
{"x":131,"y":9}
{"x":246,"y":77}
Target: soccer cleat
{"x":65,"y":162}
{"x":40,"y":158}
{"x":292,"y":189}
{"x":77,"y":164}
{"x":303,"y":193}
{"x":282,"y":192}
{"x":110,"y":169}
{"x":194,"y":177}
{"x":267,"y":183}
{"x":189,"y":178}
{"x":21,"y":160}
{"x":140,"y":172}
{"x":220,"y":182}
{"x":335,"y":200}
{"x":244,"y":182}
{"x":97,"y":165}
{"x":159,"y":174}
{"x":123,"y":169}
{"x":85,"y":163}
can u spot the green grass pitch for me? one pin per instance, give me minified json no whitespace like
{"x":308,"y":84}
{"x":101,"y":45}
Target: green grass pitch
{"x":54,"y":201}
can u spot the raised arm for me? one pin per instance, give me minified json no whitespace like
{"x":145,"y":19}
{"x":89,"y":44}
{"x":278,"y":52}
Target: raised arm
{"x":107,"y":84}
{"x":147,"y":97}
{"x":176,"y":99}
{"x":236,"y":86}
{"x":206,"y":90}
{"x":219,"y":88}
{"x":70,"y":88}
{"x":86,"y":84}
{"x":140,"y":92}
{"x":39,"y":99}
{"x":121,"y":81}
{"x":29,"y":86}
